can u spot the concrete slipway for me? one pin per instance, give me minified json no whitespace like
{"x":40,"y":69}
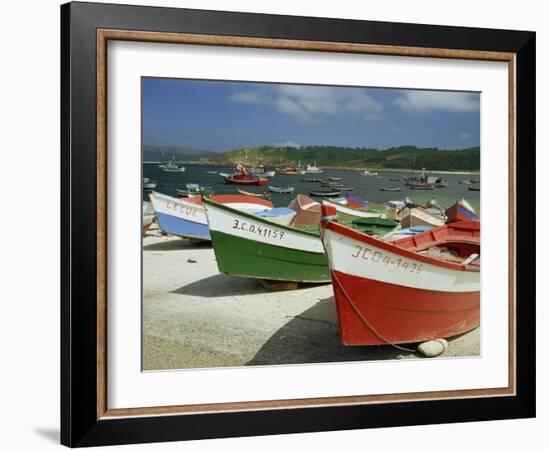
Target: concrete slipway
{"x":194,"y":316}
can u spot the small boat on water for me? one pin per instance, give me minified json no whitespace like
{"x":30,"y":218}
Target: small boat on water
{"x":265,"y":195}
{"x":334,"y":178}
{"x":213,"y":172}
{"x":269,"y":173}
{"x":395,"y":179}
{"x":325,"y":193}
{"x":419,"y":185}
{"x":187,"y":217}
{"x":249,"y":246}
{"x":367,"y":173}
{"x":421,"y":287}
{"x":292,"y":169}
{"x":172,"y":166}
{"x":243,"y":178}
{"x":334,"y":184}
{"x":474,"y":188}
{"x":392,"y":189}
{"x":192,"y":190}
{"x":310,"y":180}
{"x":281,"y":189}
{"x":311,"y":169}
{"x":461,"y":211}
{"x":149,"y":184}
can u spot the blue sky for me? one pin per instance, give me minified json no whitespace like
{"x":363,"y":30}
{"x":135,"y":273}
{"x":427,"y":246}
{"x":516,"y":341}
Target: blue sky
{"x":222,"y":115}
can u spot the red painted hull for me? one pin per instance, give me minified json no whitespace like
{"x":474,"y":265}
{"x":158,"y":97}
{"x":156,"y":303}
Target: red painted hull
{"x":399,"y":314}
{"x":245,"y":182}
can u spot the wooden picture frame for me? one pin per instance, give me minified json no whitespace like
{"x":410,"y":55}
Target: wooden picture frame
{"x":85,"y":416}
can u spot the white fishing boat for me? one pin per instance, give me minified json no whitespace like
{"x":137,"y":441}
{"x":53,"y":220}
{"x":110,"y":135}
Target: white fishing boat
{"x":367,"y":173}
{"x":172,"y":166}
{"x":311,"y":168}
{"x":187,"y":217}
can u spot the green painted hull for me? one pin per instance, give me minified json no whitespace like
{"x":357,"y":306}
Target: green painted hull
{"x":248,"y":258}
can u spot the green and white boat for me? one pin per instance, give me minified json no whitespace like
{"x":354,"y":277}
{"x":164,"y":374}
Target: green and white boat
{"x":250,"y":246}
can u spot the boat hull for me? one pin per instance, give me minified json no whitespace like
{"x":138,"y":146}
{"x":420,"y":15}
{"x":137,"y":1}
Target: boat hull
{"x":248,"y":246}
{"x":187,"y":218}
{"x":181,"y":227}
{"x":385,"y":293}
{"x":399,"y":314}
{"x":353,"y":213}
{"x":252,"y":182}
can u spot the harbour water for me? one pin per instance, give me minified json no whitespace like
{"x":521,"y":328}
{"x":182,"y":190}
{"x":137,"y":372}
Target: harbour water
{"x":367,"y":187}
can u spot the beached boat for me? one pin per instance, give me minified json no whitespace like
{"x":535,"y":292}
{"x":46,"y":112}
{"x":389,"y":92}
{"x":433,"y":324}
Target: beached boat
{"x":392,"y":189}
{"x":148,"y":215}
{"x":243,"y":178}
{"x":354,"y":213}
{"x":281,"y":189}
{"x":308,"y":211}
{"x":411,"y":216}
{"x":149,"y":184}
{"x":414,"y":289}
{"x":461,"y":211}
{"x":325,"y":193}
{"x":374,"y":226}
{"x":250,"y":246}
{"x":187,"y":217}
{"x":265,"y":195}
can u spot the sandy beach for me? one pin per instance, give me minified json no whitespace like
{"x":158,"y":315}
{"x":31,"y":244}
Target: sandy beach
{"x":195,"y":317}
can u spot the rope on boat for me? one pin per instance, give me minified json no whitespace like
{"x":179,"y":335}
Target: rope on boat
{"x":365,"y":321}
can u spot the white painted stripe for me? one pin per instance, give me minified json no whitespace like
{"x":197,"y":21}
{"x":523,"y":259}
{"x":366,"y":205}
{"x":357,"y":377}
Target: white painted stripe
{"x":194,"y":212}
{"x":219,"y":219}
{"x":178,"y":208}
{"x":363,"y":260}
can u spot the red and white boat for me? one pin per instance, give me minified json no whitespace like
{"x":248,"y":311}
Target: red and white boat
{"x":243,"y":178}
{"x":413,"y":289}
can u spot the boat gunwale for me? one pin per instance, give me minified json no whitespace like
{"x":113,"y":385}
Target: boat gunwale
{"x":391,"y":247}
{"x":259,"y":219}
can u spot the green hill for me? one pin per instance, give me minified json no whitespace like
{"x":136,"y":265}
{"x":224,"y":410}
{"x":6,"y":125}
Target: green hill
{"x":167,"y":152}
{"x":325,"y":156}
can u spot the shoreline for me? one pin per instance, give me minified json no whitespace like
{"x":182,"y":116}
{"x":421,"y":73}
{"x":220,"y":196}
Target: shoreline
{"x":353,"y":169}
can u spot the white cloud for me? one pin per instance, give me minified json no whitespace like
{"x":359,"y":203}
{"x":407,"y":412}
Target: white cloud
{"x":246,"y":97}
{"x":312,"y":103}
{"x":426,"y":101}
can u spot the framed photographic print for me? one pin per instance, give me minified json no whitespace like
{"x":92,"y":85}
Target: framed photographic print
{"x":272,"y":224}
